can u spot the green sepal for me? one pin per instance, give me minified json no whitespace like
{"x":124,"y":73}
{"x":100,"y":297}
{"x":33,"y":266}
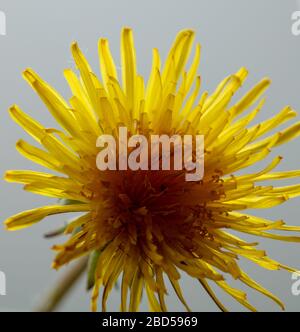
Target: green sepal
{"x":91,"y":269}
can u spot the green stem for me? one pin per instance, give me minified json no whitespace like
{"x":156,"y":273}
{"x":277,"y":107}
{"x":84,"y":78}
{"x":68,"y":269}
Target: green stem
{"x":57,"y":293}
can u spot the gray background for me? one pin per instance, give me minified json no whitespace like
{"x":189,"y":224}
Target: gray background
{"x":233,"y":33}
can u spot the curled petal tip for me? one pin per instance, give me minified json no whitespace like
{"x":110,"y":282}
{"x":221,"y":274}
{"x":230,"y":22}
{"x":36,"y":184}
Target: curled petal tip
{"x":30,"y":75}
{"x":127,"y":29}
{"x":54,"y":266}
{"x":103,"y":41}
{"x":12,"y":109}
{"x":74,"y":47}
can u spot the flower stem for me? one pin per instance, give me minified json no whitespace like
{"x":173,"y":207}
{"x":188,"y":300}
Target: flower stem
{"x":58,"y":292}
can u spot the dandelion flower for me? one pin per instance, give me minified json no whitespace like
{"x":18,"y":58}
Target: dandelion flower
{"x":145,"y":228}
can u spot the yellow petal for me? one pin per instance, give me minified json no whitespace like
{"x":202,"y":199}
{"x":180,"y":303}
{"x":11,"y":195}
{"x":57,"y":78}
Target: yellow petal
{"x":29,"y":217}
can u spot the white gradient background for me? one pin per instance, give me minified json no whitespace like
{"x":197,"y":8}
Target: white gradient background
{"x":233,"y":33}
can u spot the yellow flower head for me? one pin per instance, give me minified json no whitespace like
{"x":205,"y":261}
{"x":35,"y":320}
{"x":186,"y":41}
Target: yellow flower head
{"x":144,"y":227}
